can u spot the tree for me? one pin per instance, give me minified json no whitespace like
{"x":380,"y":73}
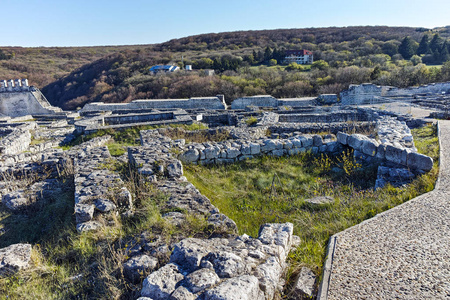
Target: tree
{"x":415,"y":59}
{"x":406,"y":48}
{"x":424,"y":45}
{"x":320,"y":64}
{"x":445,"y":55}
{"x":435,"y":44}
{"x":375,"y":73}
{"x":267,"y":53}
{"x":272,"y":62}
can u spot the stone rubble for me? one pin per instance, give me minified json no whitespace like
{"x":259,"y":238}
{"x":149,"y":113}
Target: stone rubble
{"x":14,"y":258}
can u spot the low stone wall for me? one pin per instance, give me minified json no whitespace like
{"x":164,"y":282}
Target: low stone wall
{"x":369,"y":148}
{"x":109,"y":121}
{"x":333,"y":128}
{"x":237,"y":150}
{"x":366,"y":92}
{"x":18,"y":140}
{"x":200,"y":103}
{"x":215,"y":268}
{"x":97,"y":189}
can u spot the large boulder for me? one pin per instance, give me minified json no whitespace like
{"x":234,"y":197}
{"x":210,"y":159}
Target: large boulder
{"x":13,"y":258}
{"x":419,"y":161}
{"x":189,"y":252}
{"x":160,"y":284}
{"x":139,"y":266}
{"x":201,"y":280}
{"x":244,"y":287}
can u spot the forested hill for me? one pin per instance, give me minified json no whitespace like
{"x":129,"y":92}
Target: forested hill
{"x":291,"y":37}
{"x":249,"y":63}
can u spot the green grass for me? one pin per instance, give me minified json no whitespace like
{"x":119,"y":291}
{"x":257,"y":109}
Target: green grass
{"x":127,"y":136}
{"x":269,"y":189}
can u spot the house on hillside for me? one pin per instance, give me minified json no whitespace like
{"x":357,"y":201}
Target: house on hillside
{"x":302,"y":57}
{"x":164,"y":69}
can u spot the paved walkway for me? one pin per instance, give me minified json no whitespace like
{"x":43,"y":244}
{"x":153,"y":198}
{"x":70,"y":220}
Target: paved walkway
{"x":403,"y":253}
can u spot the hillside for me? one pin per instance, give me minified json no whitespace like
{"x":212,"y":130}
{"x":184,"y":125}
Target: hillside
{"x":246,"y":63}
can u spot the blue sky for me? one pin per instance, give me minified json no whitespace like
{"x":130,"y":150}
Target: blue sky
{"x":99,"y":22}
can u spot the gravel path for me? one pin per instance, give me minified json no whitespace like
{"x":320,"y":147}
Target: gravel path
{"x":403,"y":253}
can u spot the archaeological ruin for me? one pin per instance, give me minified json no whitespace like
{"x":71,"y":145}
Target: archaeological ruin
{"x":374,"y":122}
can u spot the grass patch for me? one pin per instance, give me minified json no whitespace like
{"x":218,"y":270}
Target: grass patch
{"x":128,"y":136}
{"x":268,"y":189}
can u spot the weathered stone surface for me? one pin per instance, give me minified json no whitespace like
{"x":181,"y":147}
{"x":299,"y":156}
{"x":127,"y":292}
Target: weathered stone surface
{"x":138,"y":267}
{"x":305,"y":283}
{"x":356,"y":140}
{"x":188,"y":253}
{"x":244,"y":287}
{"x":369,"y":147}
{"x":396,"y":155}
{"x":182,"y":293}
{"x":160,"y":284}
{"x":342,"y":138}
{"x":84,"y":212}
{"x":221,"y":222}
{"x":320,"y":200}
{"x":201,"y":279}
{"x":419,"y":161}
{"x":13,"y":258}
{"x":16,"y":200}
{"x":175,"y":169}
{"x":190,"y":156}
{"x":88,"y":226}
{"x":269,"y":274}
{"x":317,"y":141}
{"x":226,"y":264}
{"x":175,"y":218}
{"x":104,"y":205}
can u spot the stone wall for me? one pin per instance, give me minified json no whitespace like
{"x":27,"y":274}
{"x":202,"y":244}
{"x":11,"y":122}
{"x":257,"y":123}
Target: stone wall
{"x":269,"y":101}
{"x":366,"y":92}
{"x":18,"y":140}
{"x":200,"y":103}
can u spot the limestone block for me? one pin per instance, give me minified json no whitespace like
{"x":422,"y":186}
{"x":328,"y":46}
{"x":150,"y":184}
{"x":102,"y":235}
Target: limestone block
{"x":212,"y":152}
{"x":201,"y":280}
{"x":381,"y":151}
{"x":322,"y":148}
{"x":221,"y":222}
{"x":288,"y":145}
{"x":88,"y":226}
{"x":84,"y":212}
{"x":297,"y":143}
{"x":139,"y":266}
{"x":356,"y":140}
{"x":15,"y":200}
{"x":333,"y":147}
{"x":190,"y":156}
{"x":278,"y":153}
{"x":278,"y":144}
{"x":342,"y":138}
{"x":104,"y":205}
{"x":255,"y":149}
{"x":396,"y":155}
{"x":233,"y":152}
{"x":369,"y":147}
{"x":175,"y":169}
{"x":188,"y":253}
{"x":245,"y":149}
{"x":160,"y":284}
{"x":13,"y":258}
{"x":181,"y":293}
{"x":244,"y":287}
{"x":305,"y":283}
{"x":269,"y":274}
{"x":226,"y":264}
{"x":268,"y":145}
{"x":317,"y":141}
{"x":307,"y":141}
{"x":419,"y":161}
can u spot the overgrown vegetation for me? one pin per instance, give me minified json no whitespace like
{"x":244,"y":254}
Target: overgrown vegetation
{"x":249,"y":63}
{"x":270,"y":189}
